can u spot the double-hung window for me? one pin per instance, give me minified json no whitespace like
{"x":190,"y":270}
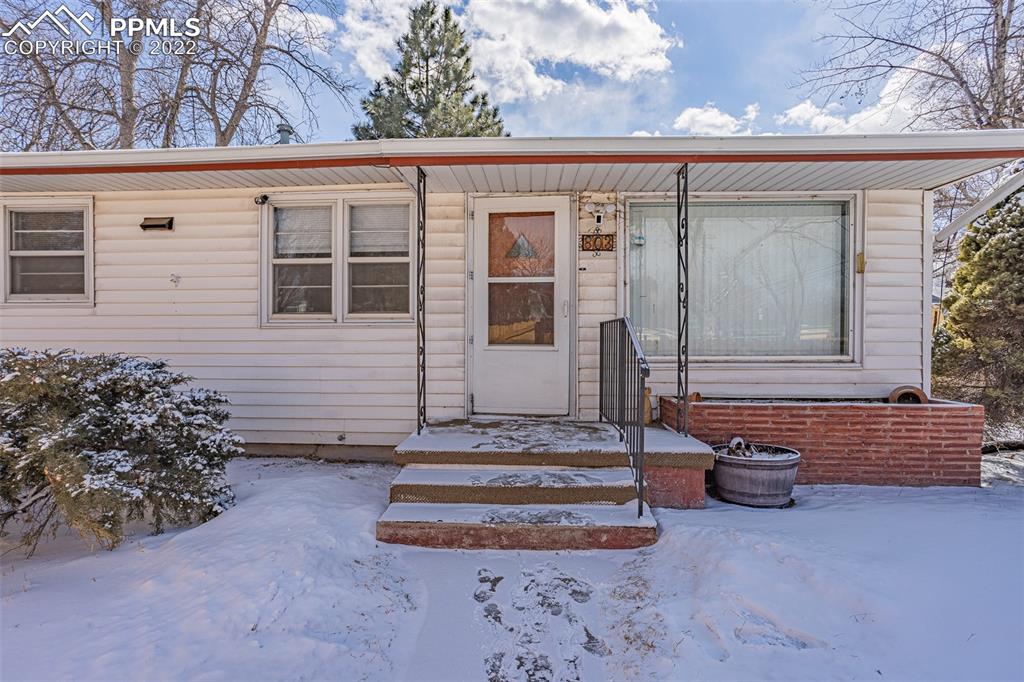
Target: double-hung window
{"x":302,"y":265}
{"x":47,"y":252}
{"x":342,"y":252}
{"x":768,"y":278}
{"x":379,"y":264}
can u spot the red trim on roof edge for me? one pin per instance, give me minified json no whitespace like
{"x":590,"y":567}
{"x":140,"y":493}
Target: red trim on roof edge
{"x":511,"y":159}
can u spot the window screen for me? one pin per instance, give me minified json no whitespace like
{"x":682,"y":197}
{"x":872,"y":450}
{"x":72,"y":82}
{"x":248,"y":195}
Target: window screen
{"x":47,"y":253}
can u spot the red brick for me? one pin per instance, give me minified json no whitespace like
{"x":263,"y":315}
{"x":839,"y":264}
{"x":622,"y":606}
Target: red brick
{"x":934,"y":444}
{"x":674,"y":487}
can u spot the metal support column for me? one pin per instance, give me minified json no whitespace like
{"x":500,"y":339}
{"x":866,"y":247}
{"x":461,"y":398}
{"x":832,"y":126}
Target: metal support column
{"x":421,"y":299}
{"x":683,"y":286}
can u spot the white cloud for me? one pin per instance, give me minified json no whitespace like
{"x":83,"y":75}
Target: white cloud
{"x":513,"y":38}
{"x":710,"y":120}
{"x":369,"y":29}
{"x":809,"y":115}
{"x":896,"y":109}
{"x":316,"y":30}
{"x":645,"y":133}
{"x":516,"y":42}
{"x":508,"y":73}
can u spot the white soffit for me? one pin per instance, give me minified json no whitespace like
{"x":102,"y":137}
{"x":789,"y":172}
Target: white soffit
{"x":498,"y":165}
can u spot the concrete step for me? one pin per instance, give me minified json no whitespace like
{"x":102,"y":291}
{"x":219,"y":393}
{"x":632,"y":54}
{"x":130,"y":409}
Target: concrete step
{"x":528,"y":526}
{"x":544,"y":443}
{"x":513,"y":485}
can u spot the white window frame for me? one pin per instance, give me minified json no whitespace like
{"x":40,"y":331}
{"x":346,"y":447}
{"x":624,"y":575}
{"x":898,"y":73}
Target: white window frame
{"x":45,"y":205}
{"x":270,"y":260}
{"x":349,"y":259}
{"x":340,"y":201}
{"x":855,"y":289}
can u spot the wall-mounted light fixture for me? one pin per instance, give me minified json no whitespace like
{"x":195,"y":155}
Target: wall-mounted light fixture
{"x":157,"y":224}
{"x":599,"y":211}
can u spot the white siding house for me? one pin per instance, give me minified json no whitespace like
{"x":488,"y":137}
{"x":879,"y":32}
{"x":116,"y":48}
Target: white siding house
{"x":341,"y":367}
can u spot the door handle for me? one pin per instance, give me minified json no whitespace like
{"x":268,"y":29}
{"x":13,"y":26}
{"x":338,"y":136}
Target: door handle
{"x":565,"y":308}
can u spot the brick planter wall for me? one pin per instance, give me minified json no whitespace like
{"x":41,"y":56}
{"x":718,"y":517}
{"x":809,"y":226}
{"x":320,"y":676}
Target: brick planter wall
{"x":863,"y":443}
{"x":674,"y":487}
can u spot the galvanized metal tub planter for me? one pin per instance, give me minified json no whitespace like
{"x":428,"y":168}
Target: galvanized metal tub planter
{"x":755,"y":474}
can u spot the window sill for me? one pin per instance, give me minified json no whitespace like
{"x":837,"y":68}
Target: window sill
{"x":47,"y":303}
{"x":335,"y":324}
{"x":760,"y":363}
{"x":370,"y":320}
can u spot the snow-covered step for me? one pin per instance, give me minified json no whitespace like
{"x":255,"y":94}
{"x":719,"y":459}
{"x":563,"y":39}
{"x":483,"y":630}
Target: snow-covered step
{"x":513,"y":486}
{"x":539,"y":443}
{"x":527,"y":526}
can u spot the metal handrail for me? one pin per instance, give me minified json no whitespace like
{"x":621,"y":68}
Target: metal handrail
{"x":623,"y":378}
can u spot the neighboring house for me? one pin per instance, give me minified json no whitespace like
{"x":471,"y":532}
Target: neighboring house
{"x":288,"y":278}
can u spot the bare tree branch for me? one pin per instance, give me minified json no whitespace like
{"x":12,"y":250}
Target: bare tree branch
{"x":254,"y":64}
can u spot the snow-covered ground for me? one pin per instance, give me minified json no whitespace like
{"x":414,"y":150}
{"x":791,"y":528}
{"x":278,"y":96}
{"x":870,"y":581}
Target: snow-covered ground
{"x":853,"y":582}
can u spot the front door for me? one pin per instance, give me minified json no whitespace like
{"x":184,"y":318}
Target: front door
{"x":520,"y":337}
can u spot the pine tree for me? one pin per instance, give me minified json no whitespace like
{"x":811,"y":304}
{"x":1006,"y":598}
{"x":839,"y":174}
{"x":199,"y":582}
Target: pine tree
{"x":979,"y":350}
{"x":430,"y":92}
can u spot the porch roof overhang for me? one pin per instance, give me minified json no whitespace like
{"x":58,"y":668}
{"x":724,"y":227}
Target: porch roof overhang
{"x":805,"y":163}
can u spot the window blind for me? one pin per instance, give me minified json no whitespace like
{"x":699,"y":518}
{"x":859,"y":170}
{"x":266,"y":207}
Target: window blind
{"x":766,"y":278}
{"x":302,"y":231}
{"x":380,"y":230}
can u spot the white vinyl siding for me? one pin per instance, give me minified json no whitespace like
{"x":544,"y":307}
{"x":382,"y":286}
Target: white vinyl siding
{"x":890,"y":341}
{"x":46,"y":247}
{"x":288,"y":383}
{"x":598,"y":283}
{"x":193,"y":296}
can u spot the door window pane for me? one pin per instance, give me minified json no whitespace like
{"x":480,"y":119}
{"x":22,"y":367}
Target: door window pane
{"x":766,"y":278}
{"x":48,"y":275}
{"x":379,"y":288}
{"x":521,"y":314}
{"x":521,"y":244}
{"x":302,"y":231}
{"x":302,"y":289}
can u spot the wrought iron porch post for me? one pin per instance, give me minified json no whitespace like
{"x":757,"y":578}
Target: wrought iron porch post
{"x":683,"y":285}
{"x":421,"y":299}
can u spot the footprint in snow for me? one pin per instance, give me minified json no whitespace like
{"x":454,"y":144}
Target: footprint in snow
{"x":759,"y":629}
{"x":488,"y":585}
{"x":542,"y":637}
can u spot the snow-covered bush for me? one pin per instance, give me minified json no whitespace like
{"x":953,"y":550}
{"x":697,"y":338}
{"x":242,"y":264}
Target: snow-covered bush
{"x":95,"y":441}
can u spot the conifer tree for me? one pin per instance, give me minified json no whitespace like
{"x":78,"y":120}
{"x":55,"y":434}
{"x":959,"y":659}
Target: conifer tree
{"x":430,"y":92}
{"x":979,"y":350}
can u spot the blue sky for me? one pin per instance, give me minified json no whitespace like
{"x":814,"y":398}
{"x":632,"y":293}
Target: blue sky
{"x":619,"y":67}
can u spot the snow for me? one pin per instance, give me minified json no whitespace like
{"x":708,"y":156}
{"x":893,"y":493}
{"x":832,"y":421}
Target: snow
{"x":527,"y":435}
{"x":1004,"y":467}
{"x":515,"y":477}
{"x":852,"y":582}
{"x":658,"y":440}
